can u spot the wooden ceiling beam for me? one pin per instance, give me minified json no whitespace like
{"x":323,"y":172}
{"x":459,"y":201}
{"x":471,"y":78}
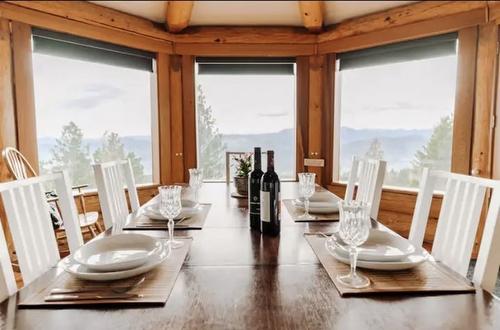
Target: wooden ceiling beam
{"x":312,"y":13}
{"x":178,"y":15}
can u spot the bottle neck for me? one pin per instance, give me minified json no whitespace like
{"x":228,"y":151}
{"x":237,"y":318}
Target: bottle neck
{"x":257,"y":159}
{"x":270,"y":161}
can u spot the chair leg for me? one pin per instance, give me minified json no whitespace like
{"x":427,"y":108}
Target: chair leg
{"x":92,"y":231}
{"x":98,"y":226}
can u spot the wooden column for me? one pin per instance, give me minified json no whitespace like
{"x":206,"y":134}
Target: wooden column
{"x":328,"y":117}
{"x":176,"y":123}
{"x":7,"y":110}
{"x":484,"y":100}
{"x":315,"y":148}
{"x":189,"y":114}
{"x":24,"y":92}
{"x":163,"y":81}
{"x":464,"y":100}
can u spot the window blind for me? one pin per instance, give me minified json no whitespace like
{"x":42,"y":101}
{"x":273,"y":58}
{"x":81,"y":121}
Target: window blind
{"x":246,"y":66}
{"x":70,"y":46}
{"x":435,"y":46}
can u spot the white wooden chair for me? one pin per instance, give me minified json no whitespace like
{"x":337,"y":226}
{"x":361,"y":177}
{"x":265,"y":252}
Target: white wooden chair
{"x":29,"y":222}
{"x":458,"y":223}
{"x":111,"y":179}
{"x":368,"y":175}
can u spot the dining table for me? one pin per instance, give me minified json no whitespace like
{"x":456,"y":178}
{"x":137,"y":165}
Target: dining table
{"x":236,"y":278}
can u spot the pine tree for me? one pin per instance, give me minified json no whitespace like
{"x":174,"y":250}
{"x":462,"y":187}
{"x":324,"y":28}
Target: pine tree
{"x":70,"y":154}
{"x":210,"y":147}
{"x":112,"y":148}
{"x":375,"y":150}
{"x":436,"y":153}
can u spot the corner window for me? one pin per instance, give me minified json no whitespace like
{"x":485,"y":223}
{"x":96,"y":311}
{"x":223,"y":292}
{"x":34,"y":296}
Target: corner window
{"x":242,"y":104}
{"x":94,"y":103}
{"x":396,"y":103}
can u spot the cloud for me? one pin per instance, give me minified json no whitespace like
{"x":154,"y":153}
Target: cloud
{"x":92,"y":96}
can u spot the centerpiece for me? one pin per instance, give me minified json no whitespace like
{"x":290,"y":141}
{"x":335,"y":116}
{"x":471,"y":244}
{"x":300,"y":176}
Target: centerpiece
{"x":243,"y":167}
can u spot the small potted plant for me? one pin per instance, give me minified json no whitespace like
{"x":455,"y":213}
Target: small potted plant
{"x":243,"y":168}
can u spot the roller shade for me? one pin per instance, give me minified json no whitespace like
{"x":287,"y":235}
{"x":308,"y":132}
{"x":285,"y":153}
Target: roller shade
{"x":436,"y":46}
{"x":66,"y":45}
{"x":249,"y":66}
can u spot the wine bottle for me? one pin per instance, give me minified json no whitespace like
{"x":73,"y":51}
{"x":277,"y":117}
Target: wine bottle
{"x":254,"y":190}
{"x":270,"y":204}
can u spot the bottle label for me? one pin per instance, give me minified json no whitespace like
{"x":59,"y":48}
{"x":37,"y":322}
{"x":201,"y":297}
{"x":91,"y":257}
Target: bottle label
{"x":265,"y":206}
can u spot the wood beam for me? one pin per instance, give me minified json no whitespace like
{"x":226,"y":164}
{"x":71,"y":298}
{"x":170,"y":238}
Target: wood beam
{"x":312,"y":15}
{"x":400,"y":16}
{"x":178,"y":15}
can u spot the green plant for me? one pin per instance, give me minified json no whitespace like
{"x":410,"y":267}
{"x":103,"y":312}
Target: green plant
{"x":243,"y":164}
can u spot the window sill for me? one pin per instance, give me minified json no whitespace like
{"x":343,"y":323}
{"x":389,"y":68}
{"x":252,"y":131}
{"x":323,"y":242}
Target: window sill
{"x":143,"y":186}
{"x":392,"y":189}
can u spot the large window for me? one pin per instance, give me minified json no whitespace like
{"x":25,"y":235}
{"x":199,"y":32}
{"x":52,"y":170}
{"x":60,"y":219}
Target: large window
{"x":242,"y":104}
{"x":396,"y":103}
{"x":94,"y":103}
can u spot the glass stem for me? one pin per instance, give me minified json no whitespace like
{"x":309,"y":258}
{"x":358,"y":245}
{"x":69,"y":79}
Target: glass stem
{"x":171,"y":230}
{"x":306,"y":206}
{"x":196,"y":195}
{"x":353,"y":257}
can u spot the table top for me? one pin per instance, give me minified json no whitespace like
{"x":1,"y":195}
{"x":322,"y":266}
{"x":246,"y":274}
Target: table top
{"x":235,"y":278}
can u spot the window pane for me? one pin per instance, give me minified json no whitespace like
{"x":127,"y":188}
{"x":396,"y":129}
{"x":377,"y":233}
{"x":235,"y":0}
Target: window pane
{"x":237,"y":112}
{"x":89,"y":112}
{"x":400,"y":112}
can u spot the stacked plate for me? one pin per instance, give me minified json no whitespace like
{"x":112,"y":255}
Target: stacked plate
{"x":189,"y":209}
{"x":382,"y":251}
{"x":322,"y":202}
{"x":116,"y":257}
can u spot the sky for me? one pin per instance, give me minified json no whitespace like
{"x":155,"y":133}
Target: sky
{"x":408,"y":95}
{"x":250,"y":104}
{"x":97,"y":97}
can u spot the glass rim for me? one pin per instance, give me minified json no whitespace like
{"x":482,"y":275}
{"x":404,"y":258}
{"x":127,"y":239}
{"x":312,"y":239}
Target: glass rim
{"x":171,"y":186}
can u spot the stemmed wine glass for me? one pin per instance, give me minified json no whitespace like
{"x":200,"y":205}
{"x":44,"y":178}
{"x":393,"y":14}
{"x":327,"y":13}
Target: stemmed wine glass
{"x":354,"y":228}
{"x":170,"y":207}
{"x":195,"y":181}
{"x":307,"y":186}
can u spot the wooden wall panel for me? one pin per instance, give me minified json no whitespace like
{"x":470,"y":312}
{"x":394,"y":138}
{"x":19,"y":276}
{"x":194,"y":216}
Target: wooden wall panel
{"x":464,"y":100}
{"x":165,"y":149}
{"x":328,"y":114}
{"x":189,"y":114}
{"x":176,"y":113}
{"x":24,"y":92}
{"x":484,"y":100}
{"x":302,"y":116}
{"x":315,"y":143}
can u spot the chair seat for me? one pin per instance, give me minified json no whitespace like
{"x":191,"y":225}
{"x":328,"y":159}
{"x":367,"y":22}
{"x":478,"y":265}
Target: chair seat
{"x":88,"y":219}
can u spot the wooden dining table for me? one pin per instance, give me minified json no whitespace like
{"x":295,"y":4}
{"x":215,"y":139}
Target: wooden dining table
{"x":235,"y":278}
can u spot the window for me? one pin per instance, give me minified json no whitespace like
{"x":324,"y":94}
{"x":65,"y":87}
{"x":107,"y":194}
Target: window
{"x":396,"y":103}
{"x":94,"y":103}
{"x":242,"y":104}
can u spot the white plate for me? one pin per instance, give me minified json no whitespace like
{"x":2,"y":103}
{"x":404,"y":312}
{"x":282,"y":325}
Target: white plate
{"x":83,"y":273}
{"x":380,"y":246}
{"x":189,"y":209}
{"x":117,"y":252}
{"x":410,"y":261}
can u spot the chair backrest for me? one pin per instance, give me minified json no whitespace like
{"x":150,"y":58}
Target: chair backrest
{"x":458,"y":222}
{"x":369,"y":175}
{"x":18,"y":165}
{"x":29,"y":222}
{"x":111,"y":179}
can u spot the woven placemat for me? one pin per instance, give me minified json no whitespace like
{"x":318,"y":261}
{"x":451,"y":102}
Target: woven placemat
{"x":428,"y":277}
{"x":155,"y":289}
{"x":196,"y":222}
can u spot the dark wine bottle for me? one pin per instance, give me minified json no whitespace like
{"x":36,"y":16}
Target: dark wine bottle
{"x":254,"y":190}
{"x":270,"y":205}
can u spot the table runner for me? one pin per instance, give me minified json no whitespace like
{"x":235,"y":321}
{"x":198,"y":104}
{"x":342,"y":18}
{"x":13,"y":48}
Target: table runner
{"x":296,"y":213}
{"x":196,"y":222}
{"x":155,"y":290}
{"x":428,"y":277}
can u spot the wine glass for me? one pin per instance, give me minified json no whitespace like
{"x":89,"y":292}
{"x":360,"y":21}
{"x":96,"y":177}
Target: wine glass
{"x":170,"y":207}
{"x":354,"y":228}
{"x":195,"y":181}
{"x":307,"y":186}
